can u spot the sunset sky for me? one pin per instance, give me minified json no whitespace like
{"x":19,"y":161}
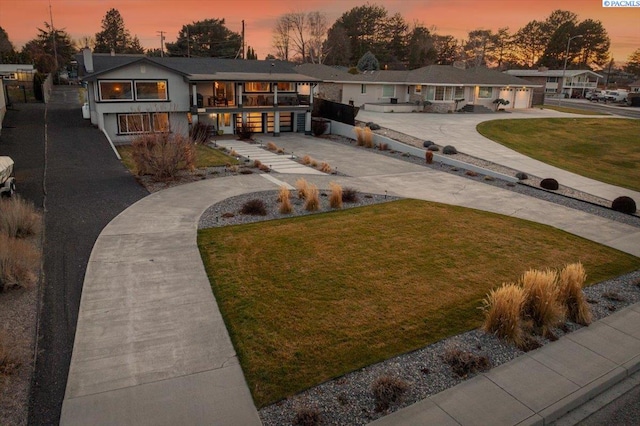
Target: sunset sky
{"x":145,"y":18}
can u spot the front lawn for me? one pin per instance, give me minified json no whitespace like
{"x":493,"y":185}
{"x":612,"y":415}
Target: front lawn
{"x":311,"y":298}
{"x":205,"y":157}
{"x":607,"y":150}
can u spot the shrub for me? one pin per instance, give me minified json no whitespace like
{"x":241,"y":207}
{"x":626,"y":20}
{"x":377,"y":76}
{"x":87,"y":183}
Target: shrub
{"x":433,"y":148}
{"x":427,"y":144}
{"x":522,"y":176}
{"x":272,"y":146}
{"x":18,"y":261}
{"x":449,"y":150}
{"x":542,"y":297}
{"x":335,"y":199}
{"x":244,"y":131}
{"x":264,"y":168}
{"x":624,"y":205}
{"x":319,"y":127}
{"x":388,"y":390}
{"x":312,"y":200}
{"x":349,"y":195}
{"x":428,"y":157}
{"x":368,"y":138}
{"x":280,"y":151}
{"x":254,"y":207}
{"x":283,"y":193}
{"x":162,"y":155}
{"x":464,"y":363}
{"x":302,"y":186}
{"x":314,"y":163}
{"x":234,"y":153}
{"x":373,"y":126}
{"x":18,"y":218}
{"x":570,"y":282}
{"x":307,"y":416}
{"x":257,"y":164}
{"x":549,"y":183}
{"x":200,"y":132}
{"x":325,"y":167}
{"x":306,"y":160}
{"x":503,"y":307}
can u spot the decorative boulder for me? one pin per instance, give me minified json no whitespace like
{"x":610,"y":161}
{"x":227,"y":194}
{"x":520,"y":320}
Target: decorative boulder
{"x":433,"y":148}
{"x":550,"y":184}
{"x":522,"y":176}
{"x":449,"y":150}
{"x":373,"y":126}
{"x":624,"y":205}
{"x":427,"y":144}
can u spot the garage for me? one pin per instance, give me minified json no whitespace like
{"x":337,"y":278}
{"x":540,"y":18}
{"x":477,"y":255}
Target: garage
{"x":522,"y":98}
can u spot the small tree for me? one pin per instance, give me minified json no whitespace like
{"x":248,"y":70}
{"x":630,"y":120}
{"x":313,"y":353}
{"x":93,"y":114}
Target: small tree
{"x":368,"y":62}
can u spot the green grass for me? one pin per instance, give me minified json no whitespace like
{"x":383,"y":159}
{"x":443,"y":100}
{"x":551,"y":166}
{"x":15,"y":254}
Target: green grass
{"x":571,"y":110}
{"x":606,"y":150}
{"x":205,"y":157}
{"x":311,"y":298}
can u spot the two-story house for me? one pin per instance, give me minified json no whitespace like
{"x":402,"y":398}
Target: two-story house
{"x":551,"y":84}
{"x":131,"y":94}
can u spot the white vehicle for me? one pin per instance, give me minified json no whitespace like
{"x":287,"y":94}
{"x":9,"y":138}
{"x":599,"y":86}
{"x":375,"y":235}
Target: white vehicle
{"x":616,"y":95}
{"x":7,"y":180}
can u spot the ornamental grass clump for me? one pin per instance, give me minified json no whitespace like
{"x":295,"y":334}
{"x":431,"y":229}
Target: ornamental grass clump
{"x":464,"y":362}
{"x":359,"y":135}
{"x":18,"y":217}
{"x":388,"y":390}
{"x":272,"y":146}
{"x":302,"y":186}
{"x":284,"y":200}
{"x":19,"y":261}
{"x":542,"y":296}
{"x":503,"y":313}
{"x":335,"y":199}
{"x":312,"y":199}
{"x":324,"y":167}
{"x":368,"y":137}
{"x":570,"y":283}
{"x":306,"y":160}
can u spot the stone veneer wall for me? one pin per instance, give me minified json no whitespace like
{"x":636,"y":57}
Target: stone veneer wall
{"x":330,"y":92}
{"x":441,"y":107}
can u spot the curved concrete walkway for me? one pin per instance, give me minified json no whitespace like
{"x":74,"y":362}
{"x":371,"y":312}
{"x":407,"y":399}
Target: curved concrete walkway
{"x":460,"y":130}
{"x":151,"y":347}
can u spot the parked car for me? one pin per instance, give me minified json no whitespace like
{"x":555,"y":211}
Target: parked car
{"x":593,"y":95}
{"x":7,"y":180}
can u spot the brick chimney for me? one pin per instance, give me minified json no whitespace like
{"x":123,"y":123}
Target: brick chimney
{"x":87,"y":57}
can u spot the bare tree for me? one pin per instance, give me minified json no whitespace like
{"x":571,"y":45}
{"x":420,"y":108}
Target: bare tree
{"x":299,"y":31}
{"x":281,"y":38}
{"x":318,"y":27}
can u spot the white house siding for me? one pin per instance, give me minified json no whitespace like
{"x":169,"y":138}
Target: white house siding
{"x":178,"y":104}
{"x":352,"y":92}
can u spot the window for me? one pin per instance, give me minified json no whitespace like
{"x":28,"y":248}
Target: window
{"x":418,"y":89}
{"x":151,"y":90}
{"x":431,"y":92}
{"x":286,"y":87}
{"x":439,"y":93}
{"x":459,"y":93}
{"x":116,"y":90}
{"x":388,"y":91}
{"x":553,"y":79}
{"x":485,"y":92}
{"x":143,"y":123}
{"x":257,"y":86}
{"x":363,"y":88}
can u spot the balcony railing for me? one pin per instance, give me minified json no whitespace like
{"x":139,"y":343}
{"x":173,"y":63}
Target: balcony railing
{"x":581,"y":84}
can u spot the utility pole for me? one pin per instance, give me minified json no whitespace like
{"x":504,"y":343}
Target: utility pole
{"x":243,"y":55}
{"x":161,"y":43}
{"x":53,"y":36}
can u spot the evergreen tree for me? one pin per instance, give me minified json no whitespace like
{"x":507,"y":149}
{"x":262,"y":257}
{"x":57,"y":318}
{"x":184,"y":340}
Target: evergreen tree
{"x":6,"y":47}
{"x":114,"y":36}
{"x":633,"y":63}
{"x":40,"y":51}
{"x":208,"y":38}
{"x":368,"y":62}
{"x":251,"y":54}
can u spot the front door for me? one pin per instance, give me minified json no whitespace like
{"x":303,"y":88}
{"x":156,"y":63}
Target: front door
{"x":225,"y":121}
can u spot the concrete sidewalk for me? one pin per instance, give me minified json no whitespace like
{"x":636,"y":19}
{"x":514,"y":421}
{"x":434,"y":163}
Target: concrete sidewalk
{"x":459,"y":130}
{"x":540,"y":386}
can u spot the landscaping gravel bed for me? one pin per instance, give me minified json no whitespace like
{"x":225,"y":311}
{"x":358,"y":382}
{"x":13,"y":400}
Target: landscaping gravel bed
{"x":348,"y":400}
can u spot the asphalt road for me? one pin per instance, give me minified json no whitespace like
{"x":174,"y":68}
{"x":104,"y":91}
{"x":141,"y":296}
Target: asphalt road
{"x":82,"y":186}
{"x":617,"y":109}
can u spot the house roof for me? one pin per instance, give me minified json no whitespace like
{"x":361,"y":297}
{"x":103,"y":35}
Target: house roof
{"x":551,"y":73}
{"x":202,"y":69}
{"x":432,"y":74}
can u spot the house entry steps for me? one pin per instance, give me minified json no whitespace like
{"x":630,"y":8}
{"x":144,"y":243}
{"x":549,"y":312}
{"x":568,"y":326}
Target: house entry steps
{"x":279,"y":163}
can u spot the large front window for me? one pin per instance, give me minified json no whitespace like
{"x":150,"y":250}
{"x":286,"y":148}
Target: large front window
{"x":143,"y":123}
{"x":444,"y":93}
{"x":257,"y":86}
{"x":286,"y":86}
{"x":388,"y":91}
{"x":485,"y":92}
{"x":151,"y":90}
{"x":116,"y":90}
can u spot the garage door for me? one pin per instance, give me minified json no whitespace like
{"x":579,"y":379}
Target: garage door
{"x":522,"y":98}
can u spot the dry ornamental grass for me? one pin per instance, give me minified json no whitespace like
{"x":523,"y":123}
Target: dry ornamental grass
{"x":542,"y":304}
{"x":503,"y":313}
{"x":18,"y":218}
{"x":571,"y":280}
{"x":335,"y":199}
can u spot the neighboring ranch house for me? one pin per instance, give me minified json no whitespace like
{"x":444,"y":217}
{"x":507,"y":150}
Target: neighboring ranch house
{"x":442,"y":88}
{"x":131,"y":94}
{"x":576,"y":82}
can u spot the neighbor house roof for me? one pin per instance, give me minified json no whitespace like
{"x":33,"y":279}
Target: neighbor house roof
{"x":202,"y":69}
{"x":432,"y":74}
{"x":551,"y":73}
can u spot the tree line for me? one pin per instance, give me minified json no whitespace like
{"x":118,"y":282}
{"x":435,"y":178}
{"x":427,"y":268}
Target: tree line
{"x":308,"y":37}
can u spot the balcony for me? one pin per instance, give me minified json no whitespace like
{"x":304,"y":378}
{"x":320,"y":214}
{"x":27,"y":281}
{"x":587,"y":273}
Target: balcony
{"x":582,"y":84}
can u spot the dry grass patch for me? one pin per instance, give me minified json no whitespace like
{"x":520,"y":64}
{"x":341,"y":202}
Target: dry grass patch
{"x":312,"y":199}
{"x":542,"y":299}
{"x":284,"y":200}
{"x":503,"y":307}
{"x":335,"y":199}
{"x":19,"y":263}
{"x":388,"y":390}
{"x":9,"y":358}
{"x":302,"y":186}
{"x":310,"y":298}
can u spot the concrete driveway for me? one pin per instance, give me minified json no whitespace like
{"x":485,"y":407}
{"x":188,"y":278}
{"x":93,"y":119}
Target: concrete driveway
{"x":460,"y":131}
